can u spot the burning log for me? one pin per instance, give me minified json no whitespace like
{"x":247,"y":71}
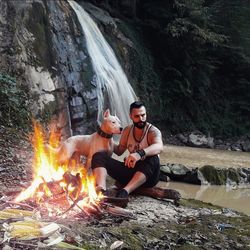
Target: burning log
{"x":117,"y":211}
{"x":7,"y":203}
{"x":73,"y":205}
{"x":50,"y":188}
{"x":94,"y":211}
{"x":73,"y":182}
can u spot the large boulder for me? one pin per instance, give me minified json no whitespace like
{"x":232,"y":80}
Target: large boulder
{"x":196,"y":139}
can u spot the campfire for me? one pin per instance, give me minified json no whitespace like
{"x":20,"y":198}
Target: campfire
{"x":60,"y":190}
{"x":59,"y":193}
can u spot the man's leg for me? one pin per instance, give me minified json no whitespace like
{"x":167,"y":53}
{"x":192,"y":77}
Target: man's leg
{"x":98,"y":163}
{"x":137,"y":180}
{"x":100,"y":174}
{"x":103,"y":164}
{"x":147,"y":174}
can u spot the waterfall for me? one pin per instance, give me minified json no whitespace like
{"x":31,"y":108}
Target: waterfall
{"x":110,"y":76}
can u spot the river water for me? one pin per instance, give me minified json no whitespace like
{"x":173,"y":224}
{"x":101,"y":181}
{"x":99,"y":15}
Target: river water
{"x":229,"y":197}
{"x":198,"y":157}
{"x":234,"y":198}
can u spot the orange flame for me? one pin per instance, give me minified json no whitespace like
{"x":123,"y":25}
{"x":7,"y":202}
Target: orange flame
{"x":46,"y":170}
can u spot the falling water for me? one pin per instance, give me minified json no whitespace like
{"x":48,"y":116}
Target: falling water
{"x":109,"y":74}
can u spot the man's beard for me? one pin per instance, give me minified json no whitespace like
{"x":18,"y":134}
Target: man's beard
{"x":140,"y":125}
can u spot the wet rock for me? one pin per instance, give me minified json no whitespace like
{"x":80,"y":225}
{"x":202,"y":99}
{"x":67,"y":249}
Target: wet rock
{"x":232,"y":144}
{"x":7,"y":247}
{"x":246,"y":175}
{"x":229,"y":176}
{"x":179,"y":172}
{"x":157,"y":244}
{"x":198,"y":139}
{"x":246,"y":146}
{"x":236,"y":147}
{"x":181,"y":240}
{"x":182,"y":138}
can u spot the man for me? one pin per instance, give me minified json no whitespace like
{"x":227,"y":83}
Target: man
{"x":142,"y":165}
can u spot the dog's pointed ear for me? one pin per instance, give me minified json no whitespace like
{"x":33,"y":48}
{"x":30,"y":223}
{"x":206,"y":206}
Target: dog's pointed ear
{"x":106,"y":113}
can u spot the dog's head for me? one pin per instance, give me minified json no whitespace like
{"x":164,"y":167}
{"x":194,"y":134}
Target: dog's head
{"x":111,"y":124}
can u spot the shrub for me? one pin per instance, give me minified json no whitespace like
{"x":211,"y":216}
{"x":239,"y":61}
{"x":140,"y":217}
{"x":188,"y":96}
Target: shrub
{"x":14,"y":110}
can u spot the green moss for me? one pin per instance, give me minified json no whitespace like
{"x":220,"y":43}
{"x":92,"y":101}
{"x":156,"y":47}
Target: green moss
{"x":214,"y":176}
{"x":87,"y":76}
{"x":48,"y":110}
{"x":14,"y":109}
{"x":240,"y":226}
{"x":233,"y":175}
{"x":87,"y":246}
{"x":197,"y":204}
{"x":188,"y":247}
{"x":127,"y":234}
{"x":38,"y":25}
{"x":219,"y":176}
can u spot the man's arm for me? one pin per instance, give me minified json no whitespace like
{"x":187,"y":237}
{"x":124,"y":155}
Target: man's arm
{"x":120,"y":148}
{"x":155,"y":142}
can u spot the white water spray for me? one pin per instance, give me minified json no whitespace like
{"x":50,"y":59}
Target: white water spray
{"x":109,"y":74}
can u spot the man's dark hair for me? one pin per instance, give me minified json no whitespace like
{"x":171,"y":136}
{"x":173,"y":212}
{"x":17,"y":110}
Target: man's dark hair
{"x":136,"y":105}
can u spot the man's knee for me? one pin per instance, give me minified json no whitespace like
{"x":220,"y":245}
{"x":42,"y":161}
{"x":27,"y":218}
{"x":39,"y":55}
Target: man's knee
{"x":99,"y":159}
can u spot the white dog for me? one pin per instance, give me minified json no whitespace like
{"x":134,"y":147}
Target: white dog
{"x":88,"y":145}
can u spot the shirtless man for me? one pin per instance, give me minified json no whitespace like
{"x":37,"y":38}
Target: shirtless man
{"x":142,"y":165}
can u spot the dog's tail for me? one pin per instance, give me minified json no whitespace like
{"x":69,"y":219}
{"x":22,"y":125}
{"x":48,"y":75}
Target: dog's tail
{"x":52,"y":152}
{"x":51,"y":149}
{"x":60,"y":155}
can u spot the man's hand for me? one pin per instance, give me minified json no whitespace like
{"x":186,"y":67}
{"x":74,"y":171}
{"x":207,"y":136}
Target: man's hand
{"x":131,"y":160}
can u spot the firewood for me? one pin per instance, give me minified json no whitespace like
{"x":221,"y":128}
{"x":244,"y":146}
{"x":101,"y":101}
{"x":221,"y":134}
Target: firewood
{"x":83,"y":212}
{"x":17,"y":204}
{"x":156,"y":192}
{"x":93,"y":210}
{"x":118,"y":211}
{"x":72,"y":206}
{"x":74,"y":181}
{"x":120,"y":202}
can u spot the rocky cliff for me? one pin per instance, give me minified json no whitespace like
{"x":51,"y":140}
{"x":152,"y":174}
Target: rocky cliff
{"x":43,"y":48}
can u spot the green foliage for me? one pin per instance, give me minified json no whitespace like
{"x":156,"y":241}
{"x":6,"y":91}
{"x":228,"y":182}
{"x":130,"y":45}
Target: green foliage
{"x":13,"y":103}
{"x":198,"y":51}
{"x":143,"y":76}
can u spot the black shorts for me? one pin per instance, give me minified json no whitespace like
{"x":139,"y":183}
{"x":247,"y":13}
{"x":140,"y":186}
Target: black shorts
{"x":150,"y":167}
